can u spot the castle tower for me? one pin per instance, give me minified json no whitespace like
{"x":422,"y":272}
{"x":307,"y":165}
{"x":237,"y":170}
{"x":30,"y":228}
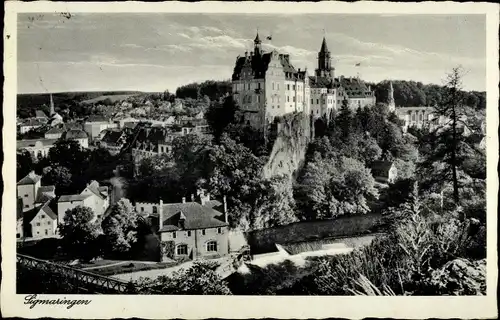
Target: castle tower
{"x":325,"y":62}
{"x":257,"y":43}
{"x":52,"y":109}
{"x":390,"y":98}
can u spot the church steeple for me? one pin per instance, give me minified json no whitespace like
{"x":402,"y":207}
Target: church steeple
{"x":325,"y":68}
{"x":257,"y":44}
{"x":52,"y":109}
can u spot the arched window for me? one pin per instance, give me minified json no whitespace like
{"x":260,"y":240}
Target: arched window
{"x":211,"y":246}
{"x":182,"y":249}
{"x":155,"y":209}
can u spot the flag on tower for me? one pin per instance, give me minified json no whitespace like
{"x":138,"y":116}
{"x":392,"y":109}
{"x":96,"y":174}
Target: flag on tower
{"x":269,"y":38}
{"x":358,"y":64}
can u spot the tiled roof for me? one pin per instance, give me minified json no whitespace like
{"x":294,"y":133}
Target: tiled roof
{"x":97,"y":190}
{"x":57,"y":129}
{"x":355,"y":88}
{"x":112,"y":136}
{"x":73,"y":197}
{"x":45,"y":193}
{"x":196,"y":216}
{"x":40,"y":114}
{"x":381,"y":168}
{"x":96,"y":118}
{"x":259,"y":65}
{"x":30,"y":178}
{"x":31,"y":143}
{"x":32,"y":122}
{"x":75,"y":134}
{"x":48,"y":210}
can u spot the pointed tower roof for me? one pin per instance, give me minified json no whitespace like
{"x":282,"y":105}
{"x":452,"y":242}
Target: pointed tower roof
{"x":257,"y":39}
{"x":52,"y":109}
{"x":324,"y":47}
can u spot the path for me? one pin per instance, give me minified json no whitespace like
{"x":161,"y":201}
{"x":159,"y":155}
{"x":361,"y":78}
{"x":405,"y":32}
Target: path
{"x":102,"y":266}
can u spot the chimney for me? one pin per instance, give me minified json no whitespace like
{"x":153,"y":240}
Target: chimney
{"x":224,"y":204}
{"x":183,"y":199}
{"x":160,"y":215}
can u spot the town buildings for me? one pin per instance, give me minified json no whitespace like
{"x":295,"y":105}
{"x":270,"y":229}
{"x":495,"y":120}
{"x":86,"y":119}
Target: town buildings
{"x":95,"y":124}
{"x":267,"y":85}
{"x":35,"y":216}
{"x":384,"y":172}
{"x":94,"y":196}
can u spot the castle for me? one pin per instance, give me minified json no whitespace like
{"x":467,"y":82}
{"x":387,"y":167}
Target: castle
{"x":266,"y":85}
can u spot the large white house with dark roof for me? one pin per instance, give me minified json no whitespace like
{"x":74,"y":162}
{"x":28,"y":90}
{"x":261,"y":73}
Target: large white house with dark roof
{"x":266,"y":85}
{"x":94,"y":196}
{"x":195,"y":229}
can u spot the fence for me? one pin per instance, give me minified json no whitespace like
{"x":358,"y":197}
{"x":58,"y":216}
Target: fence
{"x":84,"y":280}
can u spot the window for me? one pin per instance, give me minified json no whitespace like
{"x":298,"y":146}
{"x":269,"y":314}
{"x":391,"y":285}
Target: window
{"x":312,"y":101}
{"x":174,"y":235}
{"x":258,"y":85}
{"x":219,"y":230}
{"x":46,"y":232}
{"x":273,"y":85}
{"x":189,"y":233}
{"x":258,"y":98}
{"x":317,"y":101}
{"x":182,"y":249}
{"x":278,"y":86}
{"x":18,"y":235}
{"x":249,"y":86}
{"x":48,"y":222}
{"x":38,"y":224}
{"x":42,"y":216}
{"x":293,"y":87}
{"x":26,"y":205}
{"x":25,"y":195}
{"x":142,"y":209}
{"x":287,"y":99}
{"x":211,"y":246}
{"x":203,"y":231}
{"x":155,"y":210}
{"x":288,"y":87}
{"x":293,"y":99}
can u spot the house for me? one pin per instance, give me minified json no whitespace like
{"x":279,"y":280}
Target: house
{"x":169,"y":120}
{"x":30,"y":124}
{"x":78,"y":135}
{"x":42,"y":223}
{"x":32,"y":193}
{"x":193,"y":230}
{"x":56,"y":131}
{"x":93,"y":196}
{"x":94,"y":124}
{"x":36,"y":147}
{"x":113,"y":141}
{"x":384,"y":171}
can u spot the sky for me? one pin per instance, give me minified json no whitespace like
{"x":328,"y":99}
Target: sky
{"x":159,"y":51}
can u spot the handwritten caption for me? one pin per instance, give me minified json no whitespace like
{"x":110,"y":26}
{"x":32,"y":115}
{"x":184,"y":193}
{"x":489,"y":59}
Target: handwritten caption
{"x":33,"y":301}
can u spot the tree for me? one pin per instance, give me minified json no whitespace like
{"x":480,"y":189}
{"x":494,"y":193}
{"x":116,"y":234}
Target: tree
{"x":69,"y":154}
{"x":24,"y":163}
{"x":220,"y":115}
{"x":451,"y":139}
{"x":200,"y":279}
{"x":120,"y":227}
{"x":58,"y":176}
{"x":79,"y":233}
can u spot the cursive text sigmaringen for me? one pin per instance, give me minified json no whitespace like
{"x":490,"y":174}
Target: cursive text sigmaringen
{"x":32,"y":300}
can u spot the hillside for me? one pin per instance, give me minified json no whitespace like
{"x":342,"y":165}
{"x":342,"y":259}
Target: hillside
{"x":27,"y":103}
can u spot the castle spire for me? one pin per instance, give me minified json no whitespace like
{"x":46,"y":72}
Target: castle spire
{"x":325,"y":68}
{"x":324,"y":47}
{"x":257,"y":45}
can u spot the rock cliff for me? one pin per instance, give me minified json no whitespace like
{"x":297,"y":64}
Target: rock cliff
{"x":289,"y":149}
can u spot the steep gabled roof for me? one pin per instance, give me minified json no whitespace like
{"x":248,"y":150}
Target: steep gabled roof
{"x":74,"y":197}
{"x":324,"y":47}
{"x":196,"y":217}
{"x":97,"y":189}
{"x":30,"y":178}
{"x":381,"y":168}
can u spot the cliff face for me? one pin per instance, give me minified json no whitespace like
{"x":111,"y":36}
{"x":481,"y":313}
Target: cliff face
{"x":289,"y":148}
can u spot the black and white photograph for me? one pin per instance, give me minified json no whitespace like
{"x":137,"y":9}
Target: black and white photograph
{"x":250,"y":154}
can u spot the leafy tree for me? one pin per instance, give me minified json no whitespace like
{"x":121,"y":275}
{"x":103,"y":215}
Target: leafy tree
{"x":200,"y":279}
{"x":69,"y":154}
{"x":79,"y":233}
{"x":60,"y":177}
{"x":120,"y":227}
{"x":24,"y":163}
{"x":220,"y":115}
